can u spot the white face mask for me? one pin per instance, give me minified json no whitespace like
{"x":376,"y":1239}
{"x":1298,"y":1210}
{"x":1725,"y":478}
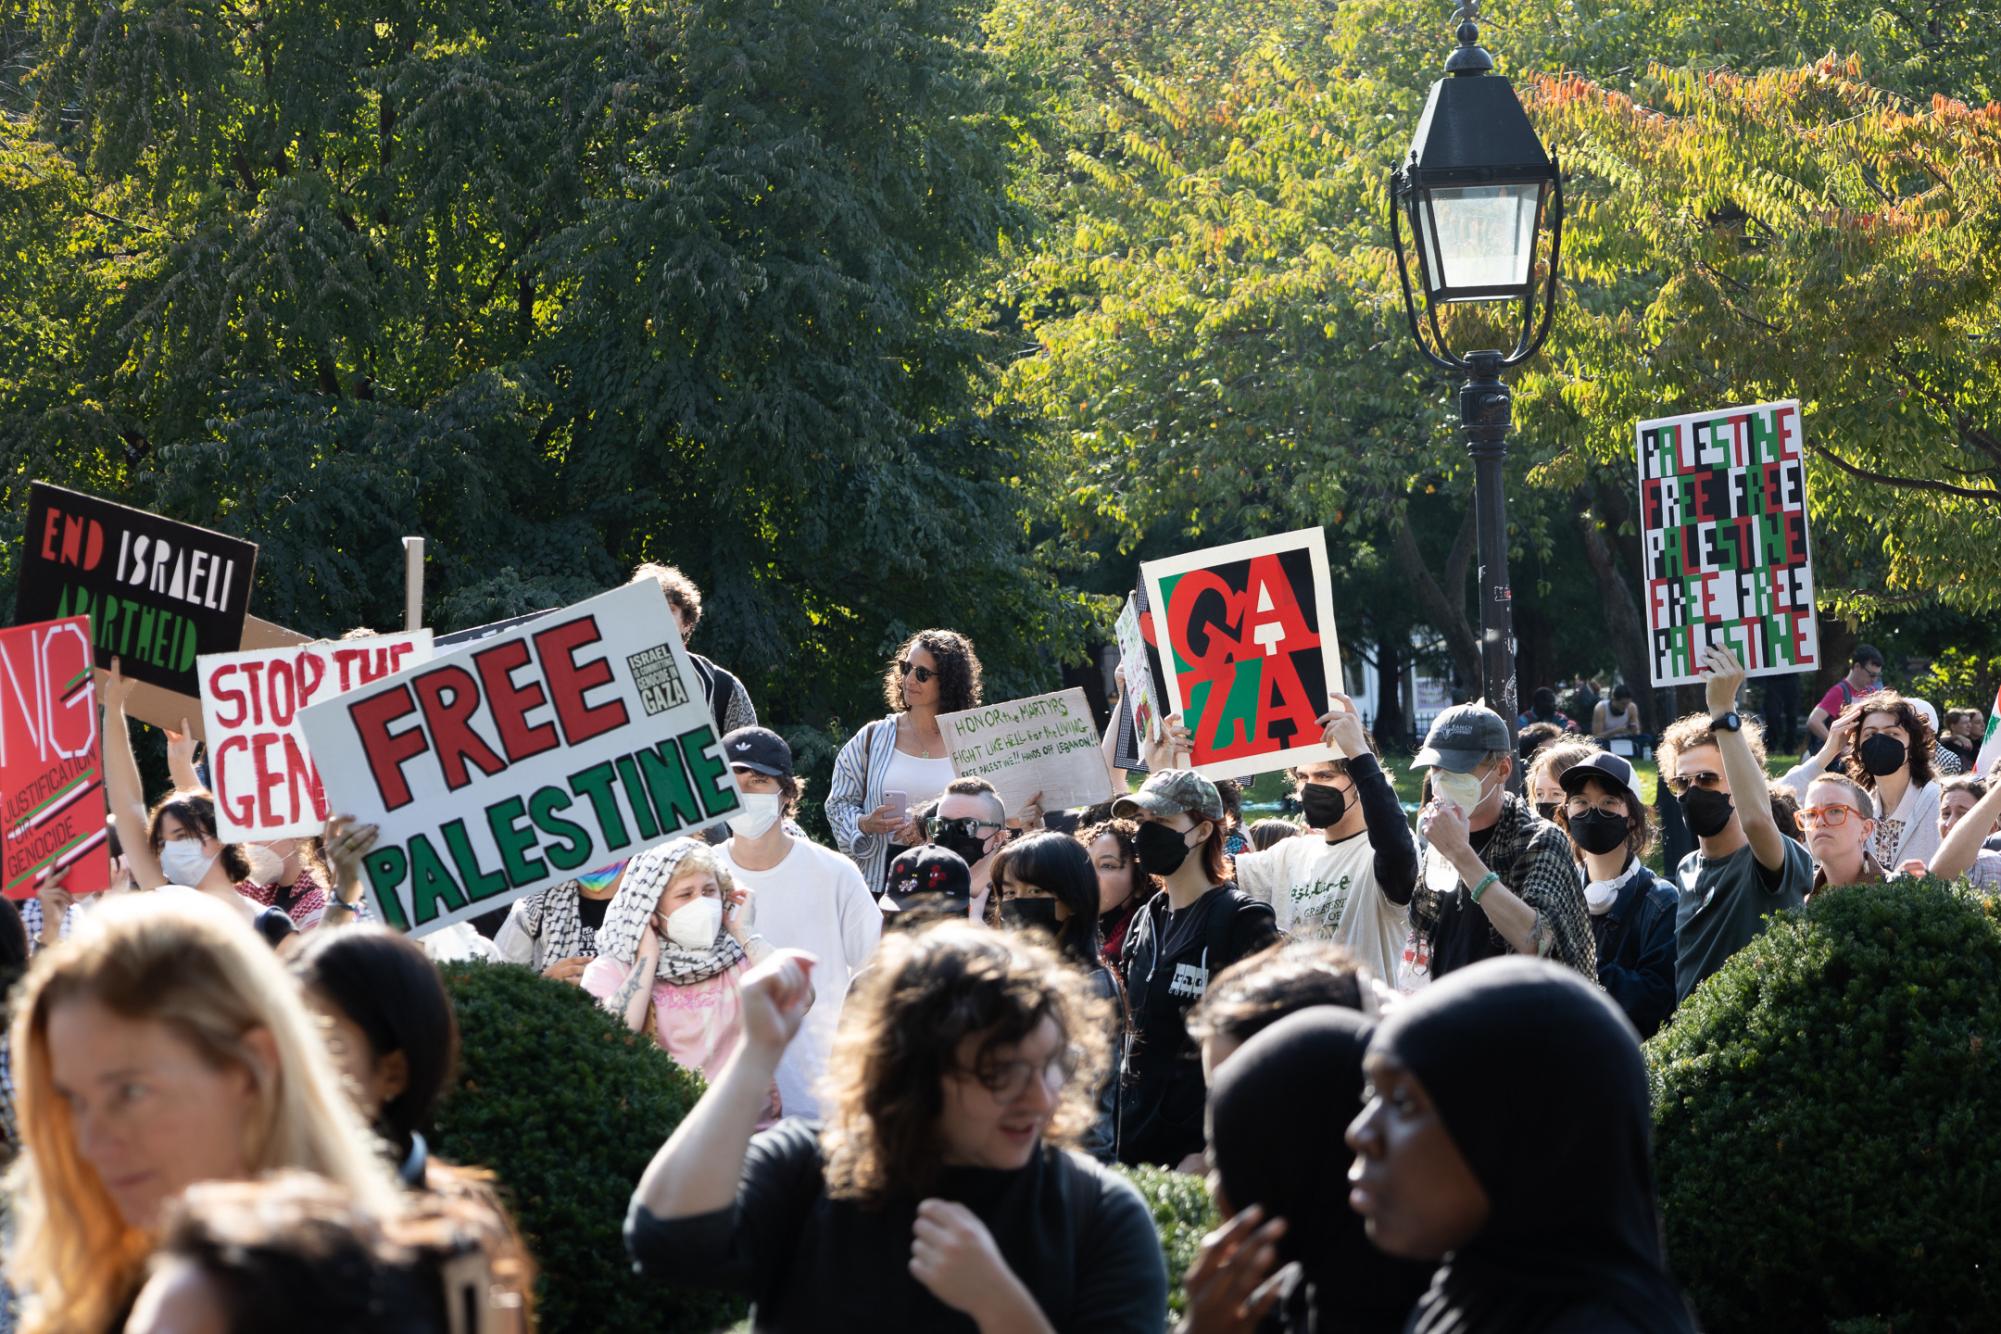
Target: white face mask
{"x":760,"y":811}
{"x":183,"y":862}
{"x":1463,"y":790}
{"x":693,"y":926}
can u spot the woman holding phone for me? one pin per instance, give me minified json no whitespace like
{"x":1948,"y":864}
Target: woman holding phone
{"x":899,"y":761}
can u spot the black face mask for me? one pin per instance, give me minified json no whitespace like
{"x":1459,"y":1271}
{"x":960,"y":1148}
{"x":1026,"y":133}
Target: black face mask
{"x":1706,"y":812}
{"x":1161,"y":848}
{"x":1324,"y":804}
{"x":1882,"y":754}
{"x":1546,"y":809}
{"x":1021,"y":914}
{"x":1599,"y":832}
{"x":969,"y":846}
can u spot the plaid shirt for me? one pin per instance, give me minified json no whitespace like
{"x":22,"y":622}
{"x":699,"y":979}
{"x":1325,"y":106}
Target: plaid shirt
{"x":1535,"y":861}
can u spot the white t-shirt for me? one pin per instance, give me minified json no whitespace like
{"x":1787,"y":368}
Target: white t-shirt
{"x":814,"y":900}
{"x":1328,"y":891}
{"x":920,"y":778}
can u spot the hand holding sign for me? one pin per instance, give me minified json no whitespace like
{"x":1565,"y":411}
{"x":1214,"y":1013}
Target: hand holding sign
{"x":1341,"y":728}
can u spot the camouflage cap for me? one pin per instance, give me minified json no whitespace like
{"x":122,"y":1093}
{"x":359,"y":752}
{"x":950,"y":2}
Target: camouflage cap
{"x":1173,"y":792}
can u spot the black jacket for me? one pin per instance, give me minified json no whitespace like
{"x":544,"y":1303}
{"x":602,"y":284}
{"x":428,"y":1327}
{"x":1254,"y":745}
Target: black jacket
{"x":1169,"y":959}
{"x":1636,"y":950}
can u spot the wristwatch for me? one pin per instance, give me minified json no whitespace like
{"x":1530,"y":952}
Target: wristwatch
{"x":1727,"y":721}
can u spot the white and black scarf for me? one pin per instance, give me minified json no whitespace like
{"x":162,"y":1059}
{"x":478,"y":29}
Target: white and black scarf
{"x":552,"y":920}
{"x":631,"y":914}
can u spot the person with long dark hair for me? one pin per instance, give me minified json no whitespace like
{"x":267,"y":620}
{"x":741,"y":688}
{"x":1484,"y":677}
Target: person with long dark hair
{"x":1123,"y":884}
{"x":1565,"y":1236}
{"x":1047,"y":883}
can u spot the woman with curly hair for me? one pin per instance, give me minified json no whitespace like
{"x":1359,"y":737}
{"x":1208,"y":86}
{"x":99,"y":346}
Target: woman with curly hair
{"x":898,"y":762}
{"x":1884,"y":743}
{"x":1123,"y":885}
{"x":941,"y":1192}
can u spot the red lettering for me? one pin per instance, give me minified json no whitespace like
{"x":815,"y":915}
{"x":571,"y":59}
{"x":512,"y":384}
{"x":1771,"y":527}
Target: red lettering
{"x":253,"y":676}
{"x":450,"y":697}
{"x":389,"y":751}
{"x":222,"y":689}
{"x":299,"y":767}
{"x":268,"y":777}
{"x":509,"y":703}
{"x":283,"y":684}
{"x":344,"y":659}
{"x":222,"y":773}
{"x":312,"y":670}
{"x":51,"y":527}
{"x":568,"y":680}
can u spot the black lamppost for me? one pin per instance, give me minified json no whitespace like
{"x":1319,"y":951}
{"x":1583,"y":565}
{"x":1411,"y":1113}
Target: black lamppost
{"x":1476,"y":186}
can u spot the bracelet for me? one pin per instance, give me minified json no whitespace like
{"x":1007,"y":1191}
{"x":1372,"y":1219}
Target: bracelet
{"x":1490,"y":878}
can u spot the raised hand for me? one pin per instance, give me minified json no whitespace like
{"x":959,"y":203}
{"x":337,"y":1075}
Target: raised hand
{"x":1724,"y":677}
{"x":1229,"y":1286}
{"x":776,"y":995}
{"x":1342,"y":728}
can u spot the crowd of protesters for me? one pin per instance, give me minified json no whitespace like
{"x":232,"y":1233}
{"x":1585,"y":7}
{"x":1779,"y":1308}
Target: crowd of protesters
{"x":929,"y":1046}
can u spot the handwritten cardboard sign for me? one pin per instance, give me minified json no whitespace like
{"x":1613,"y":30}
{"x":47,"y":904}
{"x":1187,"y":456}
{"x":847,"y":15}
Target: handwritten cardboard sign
{"x":1248,"y":647}
{"x":51,"y":762}
{"x":159,"y":593}
{"x":1728,"y":561}
{"x":563,"y":744}
{"x":1046,"y":744}
{"x":265,"y":784}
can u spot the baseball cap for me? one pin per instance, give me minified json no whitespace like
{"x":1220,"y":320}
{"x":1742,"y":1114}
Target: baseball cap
{"x":925,"y":875}
{"x":1607,"y":768}
{"x":760,"y":750}
{"x":1461,"y":738}
{"x":1173,"y":792}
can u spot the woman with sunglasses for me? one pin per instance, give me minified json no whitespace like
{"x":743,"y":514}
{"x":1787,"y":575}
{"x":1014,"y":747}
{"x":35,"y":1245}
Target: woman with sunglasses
{"x":1839,"y":821}
{"x":898,"y":762}
{"x":941,"y":1192}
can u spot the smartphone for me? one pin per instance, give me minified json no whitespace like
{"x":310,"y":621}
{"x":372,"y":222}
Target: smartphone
{"x":898,"y":802}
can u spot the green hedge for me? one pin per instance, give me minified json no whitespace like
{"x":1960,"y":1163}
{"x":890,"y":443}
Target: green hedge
{"x":1182,"y":1212}
{"x":1828,"y":1119}
{"x":567,"y":1107}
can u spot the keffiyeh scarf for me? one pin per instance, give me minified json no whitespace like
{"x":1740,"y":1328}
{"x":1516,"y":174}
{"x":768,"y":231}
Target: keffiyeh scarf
{"x":551,"y":919}
{"x":631,"y":912}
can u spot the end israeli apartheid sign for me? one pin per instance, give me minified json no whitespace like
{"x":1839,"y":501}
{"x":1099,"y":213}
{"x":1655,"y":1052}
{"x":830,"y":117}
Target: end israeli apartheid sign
{"x":262,"y":771}
{"x":1723,"y":504}
{"x":158,"y":593}
{"x":553,"y":747}
{"x":51,"y":765}
{"x":1248,"y":649}
{"x":1048,"y":744}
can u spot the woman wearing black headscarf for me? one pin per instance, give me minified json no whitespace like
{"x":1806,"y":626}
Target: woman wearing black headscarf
{"x":1507,"y":1135}
{"x":1269,"y":1109}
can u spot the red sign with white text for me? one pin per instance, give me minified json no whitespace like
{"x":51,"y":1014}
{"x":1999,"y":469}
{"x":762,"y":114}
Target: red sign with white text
{"x":51,"y":765}
{"x":266,"y":786}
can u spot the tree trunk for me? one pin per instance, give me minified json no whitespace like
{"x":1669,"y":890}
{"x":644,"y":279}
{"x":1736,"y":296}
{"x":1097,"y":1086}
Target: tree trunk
{"x":1392,"y":728}
{"x":1623,"y":621}
{"x":1443,"y":605}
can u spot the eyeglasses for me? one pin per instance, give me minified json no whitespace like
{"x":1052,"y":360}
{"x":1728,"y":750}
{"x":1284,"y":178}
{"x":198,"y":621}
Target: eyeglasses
{"x":1830,"y":817}
{"x":924,"y":675}
{"x":1709,"y":782}
{"x":1008,"y":1080}
{"x":962,"y":824}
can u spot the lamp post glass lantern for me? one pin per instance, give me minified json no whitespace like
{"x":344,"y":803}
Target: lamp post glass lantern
{"x":1478,"y":191}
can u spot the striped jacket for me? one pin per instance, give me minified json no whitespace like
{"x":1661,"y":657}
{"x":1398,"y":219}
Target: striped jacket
{"x":856,"y":789}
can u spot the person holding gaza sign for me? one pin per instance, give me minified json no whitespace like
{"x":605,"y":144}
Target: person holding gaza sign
{"x":941,"y":1193}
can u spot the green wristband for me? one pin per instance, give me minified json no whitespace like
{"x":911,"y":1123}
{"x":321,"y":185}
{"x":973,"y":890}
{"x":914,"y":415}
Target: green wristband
{"x":1490,"y":878}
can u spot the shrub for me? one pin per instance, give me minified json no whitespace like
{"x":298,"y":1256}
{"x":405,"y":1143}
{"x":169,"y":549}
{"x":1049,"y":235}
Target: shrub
{"x":567,"y":1107}
{"x":1182,"y":1212}
{"x":1826,"y":1120}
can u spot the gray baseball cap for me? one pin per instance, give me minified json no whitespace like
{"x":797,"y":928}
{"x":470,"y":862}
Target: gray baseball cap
{"x":1173,"y":792}
{"x":1462,"y":737}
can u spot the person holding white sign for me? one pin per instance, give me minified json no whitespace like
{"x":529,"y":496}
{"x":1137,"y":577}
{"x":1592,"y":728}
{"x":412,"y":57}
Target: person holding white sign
{"x":808,"y":897}
{"x":673,"y":947}
{"x":901,"y":761}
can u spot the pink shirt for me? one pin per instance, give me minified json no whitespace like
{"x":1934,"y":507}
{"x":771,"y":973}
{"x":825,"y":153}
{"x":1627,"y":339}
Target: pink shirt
{"x":698,"y":1025}
{"x":1834,"y":701}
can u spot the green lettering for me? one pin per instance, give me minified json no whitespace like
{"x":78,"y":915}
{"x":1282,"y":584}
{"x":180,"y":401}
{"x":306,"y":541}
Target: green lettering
{"x":146,"y":616}
{"x":718,"y":796}
{"x":478,"y":884}
{"x":667,"y":783}
{"x":504,"y":819}
{"x":386,"y":870}
{"x":163,"y":628}
{"x":636,"y":795}
{"x":596,"y":783}
{"x":543,"y":808}
{"x":187,"y":638}
{"x":431,"y":883}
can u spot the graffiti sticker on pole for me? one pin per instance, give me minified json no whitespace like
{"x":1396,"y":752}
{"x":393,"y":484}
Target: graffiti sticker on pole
{"x":1248,"y":649}
{"x":557,"y":746}
{"x":1723,"y":502}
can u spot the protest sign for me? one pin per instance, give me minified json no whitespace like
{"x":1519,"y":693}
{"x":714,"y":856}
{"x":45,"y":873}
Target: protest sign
{"x":480,"y":633}
{"x":1723,"y":506}
{"x":1139,"y":676}
{"x":171,"y":710}
{"x":51,"y":763}
{"x":511,"y":764}
{"x":1248,"y":648}
{"x":1129,"y":745}
{"x":259,"y":765}
{"x":158,"y":593}
{"x":1047,"y":744}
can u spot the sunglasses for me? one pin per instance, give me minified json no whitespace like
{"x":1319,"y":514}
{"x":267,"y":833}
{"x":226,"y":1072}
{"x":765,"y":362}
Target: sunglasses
{"x":1681,"y":783}
{"x":1826,"y":817}
{"x":963,"y":824}
{"x":924,"y":675}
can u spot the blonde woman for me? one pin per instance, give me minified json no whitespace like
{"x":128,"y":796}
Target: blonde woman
{"x":162,"y":1045}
